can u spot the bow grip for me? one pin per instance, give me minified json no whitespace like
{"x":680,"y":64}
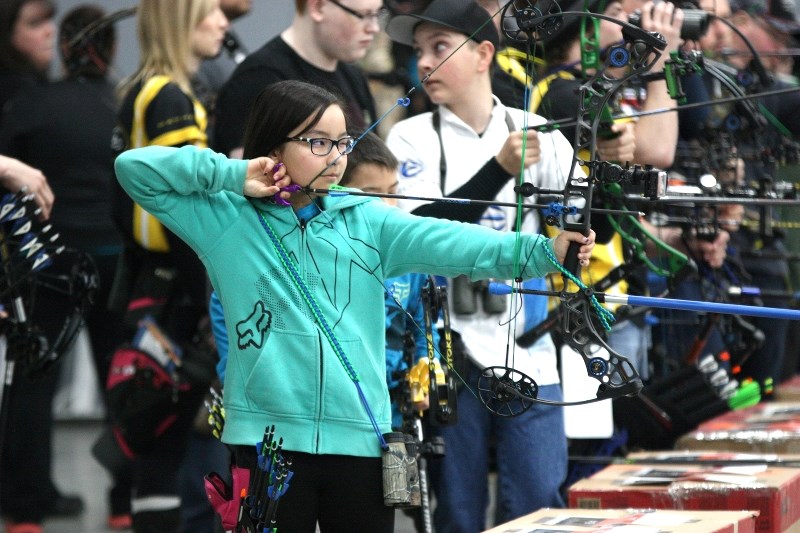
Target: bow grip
{"x":571,"y":260}
{"x":578,"y":191}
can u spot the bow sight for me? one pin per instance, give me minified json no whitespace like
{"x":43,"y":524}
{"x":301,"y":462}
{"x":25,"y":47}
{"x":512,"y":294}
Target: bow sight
{"x":649,"y":181}
{"x":525,"y":20}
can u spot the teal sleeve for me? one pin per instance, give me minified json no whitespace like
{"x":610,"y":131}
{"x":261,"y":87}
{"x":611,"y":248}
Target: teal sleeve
{"x":446,"y":248}
{"x":192,"y":191}
{"x":147,"y":173}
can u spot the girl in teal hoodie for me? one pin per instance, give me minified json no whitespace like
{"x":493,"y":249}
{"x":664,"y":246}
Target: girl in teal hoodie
{"x":302,"y":288}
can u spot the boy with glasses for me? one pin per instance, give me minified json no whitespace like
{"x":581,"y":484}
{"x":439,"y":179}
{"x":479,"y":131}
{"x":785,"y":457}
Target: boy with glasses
{"x":325,"y":37}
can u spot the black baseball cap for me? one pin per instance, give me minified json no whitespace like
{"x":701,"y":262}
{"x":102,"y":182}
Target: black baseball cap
{"x":780,"y":14}
{"x":463,"y":16}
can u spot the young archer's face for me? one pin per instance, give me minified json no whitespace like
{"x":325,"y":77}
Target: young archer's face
{"x":611,"y":33}
{"x":305,"y":167}
{"x":432,"y":44}
{"x":371,"y":177}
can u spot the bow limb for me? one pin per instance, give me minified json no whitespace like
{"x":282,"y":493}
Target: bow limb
{"x":616,"y":374}
{"x":639,"y":53}
{"x":504,"y":390}
{"x":72,"y":281}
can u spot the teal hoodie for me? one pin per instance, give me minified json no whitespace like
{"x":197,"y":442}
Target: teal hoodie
{"x":281,"y":368}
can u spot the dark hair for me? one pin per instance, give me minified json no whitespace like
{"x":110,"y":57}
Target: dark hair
{"x":557,"y":52}
{"x":12,"y":59}
{"x":556,"y":46}
{"x":86,"y":41}
{"x":370,"y":149}
{"x":281,"y":108}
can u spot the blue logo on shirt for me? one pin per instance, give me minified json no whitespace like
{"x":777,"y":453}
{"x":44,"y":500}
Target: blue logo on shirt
{"x":495,"y":218}
{"x":400,"y":291}
{"x":410,"y":168}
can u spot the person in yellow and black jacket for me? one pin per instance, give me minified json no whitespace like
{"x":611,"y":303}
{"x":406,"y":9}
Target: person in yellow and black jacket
{"x":161,"y":276}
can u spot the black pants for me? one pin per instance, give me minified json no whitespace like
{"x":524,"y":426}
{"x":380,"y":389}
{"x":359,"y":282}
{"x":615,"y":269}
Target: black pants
{"x":156,"y":472}
{"x":25,"y":470}
{"x":340,"y":492}
{"x":27,"y":491}
{"x":104,"y":325}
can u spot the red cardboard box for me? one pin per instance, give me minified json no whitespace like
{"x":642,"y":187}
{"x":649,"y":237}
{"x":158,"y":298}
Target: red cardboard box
{"x":713,"y":458}
{"x":773,"y":492}
{"x":763,"y":428}
{"x":638,"y":520}
{"x":788,"y":391}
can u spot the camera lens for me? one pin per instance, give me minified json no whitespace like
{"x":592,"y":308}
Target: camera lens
{"x":695,"y":23}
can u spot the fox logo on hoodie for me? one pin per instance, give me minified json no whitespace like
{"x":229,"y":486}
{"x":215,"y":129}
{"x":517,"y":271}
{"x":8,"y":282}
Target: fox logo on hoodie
{"x":252,"y":331}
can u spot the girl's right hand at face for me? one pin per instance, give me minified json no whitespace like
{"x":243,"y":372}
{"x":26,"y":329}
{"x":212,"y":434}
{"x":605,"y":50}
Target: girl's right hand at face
{"x":266,"y":177}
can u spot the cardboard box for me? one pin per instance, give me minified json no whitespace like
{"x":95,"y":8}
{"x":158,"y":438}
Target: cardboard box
{"x":773,"y":492}
{"x":763,"y":428}
{"x":713,"y":458}
{"x":788,"y":391}
{"x":632,"y":520}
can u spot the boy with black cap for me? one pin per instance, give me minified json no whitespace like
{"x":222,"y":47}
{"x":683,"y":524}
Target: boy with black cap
{"x":471,"y":146}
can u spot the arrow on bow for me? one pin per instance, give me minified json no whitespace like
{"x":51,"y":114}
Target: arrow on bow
{"x":666,"y":303}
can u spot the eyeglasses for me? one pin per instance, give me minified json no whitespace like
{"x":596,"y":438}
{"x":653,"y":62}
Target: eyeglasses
{"x":323,"y":146}
{"x":377,"y":17}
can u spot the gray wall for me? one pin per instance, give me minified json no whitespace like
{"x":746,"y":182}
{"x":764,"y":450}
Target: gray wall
{"x":267,"y":19}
